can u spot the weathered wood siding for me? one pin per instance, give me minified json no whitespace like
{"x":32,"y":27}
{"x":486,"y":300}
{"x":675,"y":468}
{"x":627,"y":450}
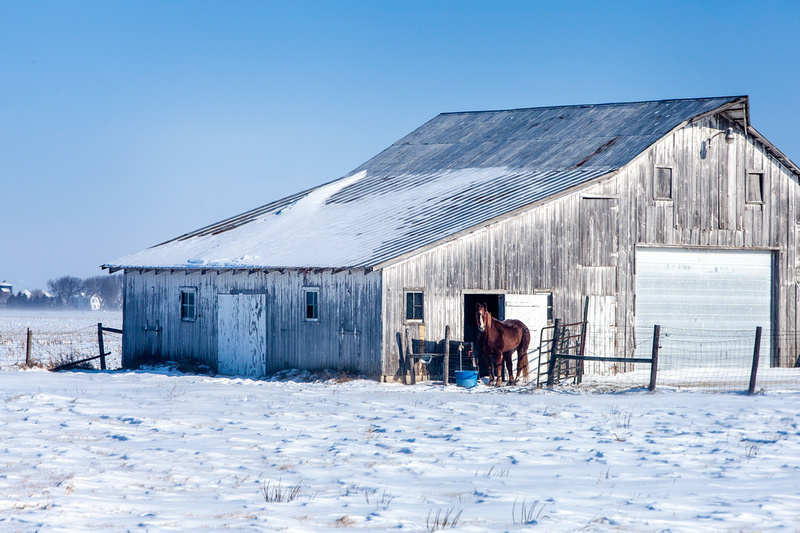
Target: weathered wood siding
{"x":584,"y":243}
{"x":347,"y":335}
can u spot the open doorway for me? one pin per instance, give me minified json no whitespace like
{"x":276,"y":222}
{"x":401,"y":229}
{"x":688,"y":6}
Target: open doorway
{"x":494,"y":304}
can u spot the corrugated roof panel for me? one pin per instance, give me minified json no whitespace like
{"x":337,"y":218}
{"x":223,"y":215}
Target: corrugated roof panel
{"x":451,"y":174}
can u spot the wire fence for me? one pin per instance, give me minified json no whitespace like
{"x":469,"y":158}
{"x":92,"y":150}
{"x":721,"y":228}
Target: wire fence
{"x":714,"y":360}
{"x":49,"y":348}
{"x":697,"y":359}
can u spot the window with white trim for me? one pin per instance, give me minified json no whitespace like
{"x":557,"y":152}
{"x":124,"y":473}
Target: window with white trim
{"x":415,"y":306}
{"x":189,"y":304}
{"x":311,"y":298}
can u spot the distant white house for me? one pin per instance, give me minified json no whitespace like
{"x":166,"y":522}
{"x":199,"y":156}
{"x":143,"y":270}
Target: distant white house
{"x":6,"y":290}
{"x":86,"y":302}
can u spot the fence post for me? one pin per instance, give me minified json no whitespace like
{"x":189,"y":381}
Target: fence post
{"x":446,"y":370}
{"x":551,"y":365}
{"x":756,"y":354}
{"x":409,"y":359}
{"x":582,"y":349}
{"x":28,"y":342}
{"x":654,"y":363}
{"x":100,"y":345}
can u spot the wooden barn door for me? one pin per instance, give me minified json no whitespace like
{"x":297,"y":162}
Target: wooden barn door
{"x":150,"y":351}
{"x":241,"y":334}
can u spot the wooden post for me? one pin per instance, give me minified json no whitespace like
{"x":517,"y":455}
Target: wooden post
{"x":754,"y":369}
{"x":654,"y":362}
{"x":100,"y":345}
{"x":402,"y":357}
{"x":446,"y":370}
{"x":423,"y":369}
{"x":409,"y":360}
{"x":28,"y":342}
{"x":551,"y":365}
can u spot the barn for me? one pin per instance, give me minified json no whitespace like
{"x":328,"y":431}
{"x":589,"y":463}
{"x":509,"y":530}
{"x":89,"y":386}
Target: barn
{"x":675,"y":212}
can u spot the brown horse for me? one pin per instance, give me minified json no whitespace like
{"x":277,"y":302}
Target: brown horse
{"x":498,"y":340}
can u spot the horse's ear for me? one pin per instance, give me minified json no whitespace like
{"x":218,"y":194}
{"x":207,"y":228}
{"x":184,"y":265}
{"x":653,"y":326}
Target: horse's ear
{"x":477,"y":306}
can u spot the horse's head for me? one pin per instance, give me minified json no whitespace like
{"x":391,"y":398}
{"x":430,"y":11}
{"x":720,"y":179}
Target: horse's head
{"x":482,"y":316}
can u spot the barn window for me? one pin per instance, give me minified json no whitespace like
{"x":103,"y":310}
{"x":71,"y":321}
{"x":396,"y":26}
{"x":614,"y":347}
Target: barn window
{"x":662,"y":187}
{"x":415,"y":305}
{"x":312,"y":304}
{"x":755,"y":187}
{"x":189,"y":304}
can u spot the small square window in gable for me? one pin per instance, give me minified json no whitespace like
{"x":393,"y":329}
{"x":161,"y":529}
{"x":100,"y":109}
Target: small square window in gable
{"x":754,"y":187}
{"x":662,"y":184}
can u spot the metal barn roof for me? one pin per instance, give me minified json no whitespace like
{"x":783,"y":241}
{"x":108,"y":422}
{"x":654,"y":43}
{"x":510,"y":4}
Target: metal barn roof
{"x":453,"y":173}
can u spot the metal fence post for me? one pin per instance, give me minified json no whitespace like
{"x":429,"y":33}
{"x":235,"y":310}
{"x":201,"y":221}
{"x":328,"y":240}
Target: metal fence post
{"x":754,"y":369}
{"x":446,"y":363}
{"x":654,"y":363}
{"x":551,"y":366}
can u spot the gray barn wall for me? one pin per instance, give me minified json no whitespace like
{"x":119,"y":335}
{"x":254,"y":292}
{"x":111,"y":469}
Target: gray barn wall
{"x":346,"y":337}
{"x":565,"y":245}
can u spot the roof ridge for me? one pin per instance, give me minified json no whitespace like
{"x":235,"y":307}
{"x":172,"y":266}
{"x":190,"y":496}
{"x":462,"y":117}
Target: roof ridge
{"x":603,"y":104}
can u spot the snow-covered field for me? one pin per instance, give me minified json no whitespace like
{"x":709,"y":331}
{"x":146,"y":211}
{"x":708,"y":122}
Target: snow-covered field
{"x":57,"y":336}
{"x":158,"y":450}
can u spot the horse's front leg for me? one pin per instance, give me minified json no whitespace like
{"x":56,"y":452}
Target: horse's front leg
{"x":498,"y":369}
{"x":488,"y":364}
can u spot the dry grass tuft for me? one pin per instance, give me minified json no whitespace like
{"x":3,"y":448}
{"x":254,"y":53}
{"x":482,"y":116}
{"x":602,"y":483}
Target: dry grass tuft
{"x":344,"y":521}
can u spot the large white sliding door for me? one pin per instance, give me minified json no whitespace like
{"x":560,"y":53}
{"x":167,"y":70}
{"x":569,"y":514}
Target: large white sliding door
{"x":703,"y":294}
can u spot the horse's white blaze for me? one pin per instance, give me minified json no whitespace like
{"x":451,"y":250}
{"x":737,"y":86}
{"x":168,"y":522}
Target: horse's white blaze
{"x":482,"y":323}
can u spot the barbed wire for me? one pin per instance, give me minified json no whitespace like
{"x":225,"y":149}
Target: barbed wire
{"x":53,"y":348}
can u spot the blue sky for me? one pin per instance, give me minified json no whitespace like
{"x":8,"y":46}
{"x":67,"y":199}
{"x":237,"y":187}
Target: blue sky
{"x":124,"y":124}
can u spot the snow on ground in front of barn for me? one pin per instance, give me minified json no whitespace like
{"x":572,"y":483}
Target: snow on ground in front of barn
{"x":160,"y":450}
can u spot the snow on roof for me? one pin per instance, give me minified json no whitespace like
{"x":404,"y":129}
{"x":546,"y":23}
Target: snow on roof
{"x":453,"y":173}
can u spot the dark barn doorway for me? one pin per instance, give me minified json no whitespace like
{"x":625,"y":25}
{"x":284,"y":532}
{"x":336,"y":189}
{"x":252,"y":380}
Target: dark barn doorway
{"x":494,"y":302}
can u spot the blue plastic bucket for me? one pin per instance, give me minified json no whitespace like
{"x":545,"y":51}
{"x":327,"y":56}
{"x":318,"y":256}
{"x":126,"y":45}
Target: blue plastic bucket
{"x":466,"y":378}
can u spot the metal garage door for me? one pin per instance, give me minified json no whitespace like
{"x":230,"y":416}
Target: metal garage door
{"x":703,"y":294}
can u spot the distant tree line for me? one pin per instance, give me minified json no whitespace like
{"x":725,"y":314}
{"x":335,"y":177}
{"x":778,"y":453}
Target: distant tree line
{"x":70,"y":292}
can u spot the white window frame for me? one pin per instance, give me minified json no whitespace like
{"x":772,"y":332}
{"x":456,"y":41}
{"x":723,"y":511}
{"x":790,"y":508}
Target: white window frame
{"x":406,"y":294}
{"x":306,"y":292}
{"x":184,"y":306}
